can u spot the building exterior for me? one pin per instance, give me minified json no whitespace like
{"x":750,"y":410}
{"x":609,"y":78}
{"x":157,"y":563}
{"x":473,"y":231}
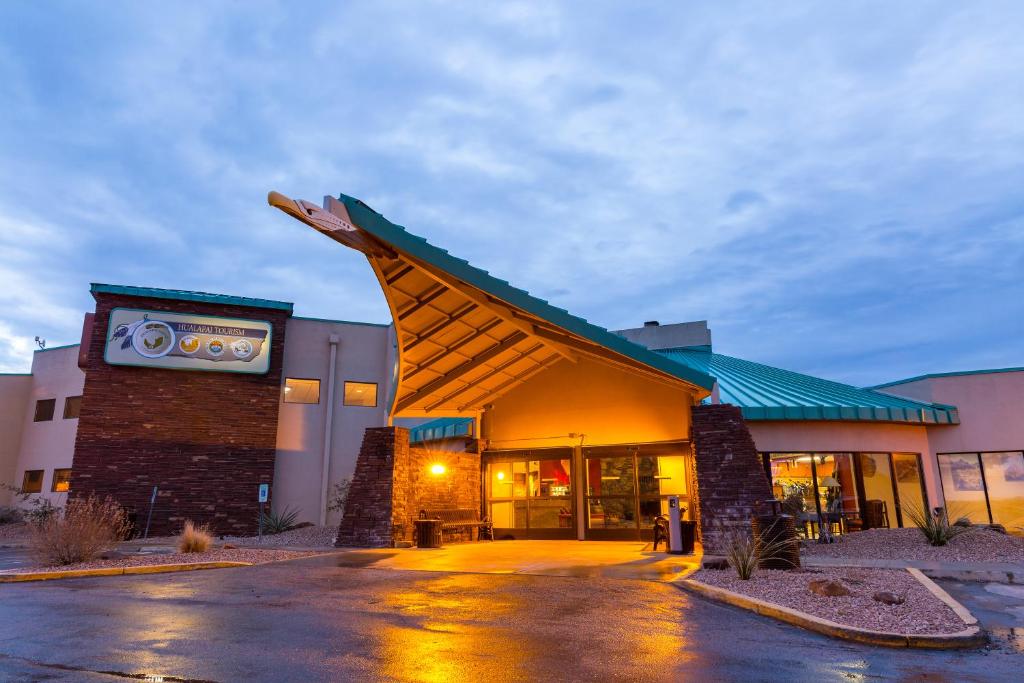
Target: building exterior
{"x":550,"y":426}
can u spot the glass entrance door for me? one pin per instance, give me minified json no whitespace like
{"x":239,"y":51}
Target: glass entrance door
{"x":529,"y":493}
{"x":628,"y":487}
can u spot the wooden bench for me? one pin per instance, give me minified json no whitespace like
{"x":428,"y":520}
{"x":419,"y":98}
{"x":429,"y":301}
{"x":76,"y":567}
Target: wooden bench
{"x":461,"y":521}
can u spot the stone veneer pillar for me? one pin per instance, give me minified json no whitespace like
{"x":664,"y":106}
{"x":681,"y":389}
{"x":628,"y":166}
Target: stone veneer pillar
{"x":393,"y":482}
{"x":375,"y":511}
{"x":731,"y":483}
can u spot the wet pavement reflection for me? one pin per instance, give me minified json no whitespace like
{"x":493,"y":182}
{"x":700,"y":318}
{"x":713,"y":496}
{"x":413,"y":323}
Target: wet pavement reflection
{"x":313,"y":620}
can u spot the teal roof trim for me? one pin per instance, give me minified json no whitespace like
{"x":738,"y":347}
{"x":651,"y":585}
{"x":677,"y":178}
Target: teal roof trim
{"x":185,"y":295}
{"x":442,"y":428}
{"x":396,"y":235}
{"x":764,"y":393}
{"x":935,"y":375}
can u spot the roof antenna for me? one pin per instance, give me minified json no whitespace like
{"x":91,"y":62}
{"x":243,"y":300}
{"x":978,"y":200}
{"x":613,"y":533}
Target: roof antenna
{"x":41,"y":343}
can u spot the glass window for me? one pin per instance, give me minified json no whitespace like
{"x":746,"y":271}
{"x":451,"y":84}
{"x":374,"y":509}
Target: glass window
{"x":361,"y":394}
{"x":1004,"y":481}
{"x":610,"y":476}
{"x":61,"y":480}
{"x":44,"y":409}
{"x":909,"y":485}
{"x":963,"y":487}
{"x":301,"y":390}
{"x":879,"y":499}
{"x":534,"y":494}
{"x":793,"y":484}
{"x":72,"y":407}
{"x":32,"y":482}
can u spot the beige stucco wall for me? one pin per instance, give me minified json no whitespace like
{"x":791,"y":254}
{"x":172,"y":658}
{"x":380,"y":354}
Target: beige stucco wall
{"x":50,"y":445}
{"x":362,"y":356}
{"x":605,"y":404}
{"x":991,"y":409}
{"x":14,"y":392}
{"x":846,"y":437}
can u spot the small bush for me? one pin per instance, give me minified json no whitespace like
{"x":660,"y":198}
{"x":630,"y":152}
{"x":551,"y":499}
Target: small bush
{"x":339,"y":494}
{"x":276,"y":522}
{"x":42,"y":511}
{"x":740,"y":553}
{"x":194,"y":539}
{"x":935,"y":525}
{"x":87,"y":527}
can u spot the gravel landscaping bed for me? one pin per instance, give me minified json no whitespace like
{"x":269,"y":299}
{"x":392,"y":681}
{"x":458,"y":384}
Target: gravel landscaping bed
{"x":921,"y":613}
{"x":234,"y":555}
{"x":13,"y":533}
{"x":306,"y":537}
{"x":978,"y":545}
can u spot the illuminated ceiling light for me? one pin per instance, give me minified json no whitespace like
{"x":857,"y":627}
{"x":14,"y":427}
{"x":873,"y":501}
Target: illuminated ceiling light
{"x":437,"y":469}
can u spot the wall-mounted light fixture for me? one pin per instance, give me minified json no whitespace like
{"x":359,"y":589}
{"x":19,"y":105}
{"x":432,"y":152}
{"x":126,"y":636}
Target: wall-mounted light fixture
{"x":437,"y":469}
{"x":501,"y":475}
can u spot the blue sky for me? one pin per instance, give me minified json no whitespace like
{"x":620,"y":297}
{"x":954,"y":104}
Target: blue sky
{"x":836,"y":188}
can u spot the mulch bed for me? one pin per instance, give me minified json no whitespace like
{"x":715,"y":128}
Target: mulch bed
{"x":922,"y":613}
{"x":977,"y":545}
{"x":232,"y":555}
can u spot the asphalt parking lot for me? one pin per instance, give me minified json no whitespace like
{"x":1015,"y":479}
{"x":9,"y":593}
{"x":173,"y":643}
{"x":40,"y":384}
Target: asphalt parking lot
{"x":337,"y":617}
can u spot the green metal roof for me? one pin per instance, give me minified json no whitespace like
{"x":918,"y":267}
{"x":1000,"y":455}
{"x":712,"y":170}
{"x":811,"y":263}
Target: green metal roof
{"x":933,"y":375}
{"x":396,"y":235}
{"x":441,"y":428}
{"x":766,"y":393}
{"x":185,"y":295}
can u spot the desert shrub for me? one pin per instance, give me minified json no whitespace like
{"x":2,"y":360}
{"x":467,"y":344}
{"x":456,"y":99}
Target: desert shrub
{"x":194,"y":538}
{"x":42,"y":511}
{"x":87,"y":527}
{"x":936,"y":526}
{"x":740,"y":553}
{"x":9,"y":515}
{"x":276,"y":522}
{"x":339,"y":494}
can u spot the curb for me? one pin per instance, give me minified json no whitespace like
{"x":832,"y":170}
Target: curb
{"x":971,"y":636}
{"x":118,"y":571}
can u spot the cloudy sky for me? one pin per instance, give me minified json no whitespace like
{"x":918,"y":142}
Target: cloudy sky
{"x":838,"y":189}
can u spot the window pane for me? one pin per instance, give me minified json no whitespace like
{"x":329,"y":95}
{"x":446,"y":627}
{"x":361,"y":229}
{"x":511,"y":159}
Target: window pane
{"x":361,"y":394}
{"x":610,"y":476}
{"x":72,"y":406}
{"x":550,"y":514}
{"x":963,"y":488}
{"x":611,"y":513}
{"x":32,"y":482}
{"x":61,"y":480}
{"x":1004,"y":477}
{"x":301,"y":390}
{"x":550,"y":478}
{"x":499,"y":478}
{"x":908,"y":484}
{"x":44,"y":409}
{"x":793,"y":485}
{"x":501,"y":515}
{"x":877,"y":477}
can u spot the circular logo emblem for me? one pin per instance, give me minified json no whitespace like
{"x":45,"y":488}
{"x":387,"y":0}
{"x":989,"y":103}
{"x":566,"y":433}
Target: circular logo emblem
{"x":189,"y":344}
{"x":153,"y":339}
{"x":242,"y":348}
{"x":215,"y":347}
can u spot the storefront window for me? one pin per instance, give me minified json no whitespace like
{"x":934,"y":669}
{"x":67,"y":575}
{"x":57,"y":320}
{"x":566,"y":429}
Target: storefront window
{"x":963,"y":487}
{"x":879,"y":497}
{"x":793,"y":484}
{"x":527,"y":492}
{"x":909,"y":485}
{"x":1004,"y":479}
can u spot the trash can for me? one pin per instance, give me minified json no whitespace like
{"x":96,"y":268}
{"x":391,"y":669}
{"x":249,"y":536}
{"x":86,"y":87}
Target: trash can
{"x":775,"y":539}
{"x":688,"y":535}
{"x":428,"y":533}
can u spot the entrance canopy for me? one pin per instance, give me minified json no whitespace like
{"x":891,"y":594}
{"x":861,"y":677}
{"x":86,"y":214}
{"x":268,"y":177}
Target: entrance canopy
{"x":465,"y":337}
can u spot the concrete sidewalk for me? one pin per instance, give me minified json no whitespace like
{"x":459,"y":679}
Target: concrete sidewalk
{"x":998,"y":572}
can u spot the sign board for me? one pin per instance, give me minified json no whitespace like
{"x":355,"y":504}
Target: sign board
{"x":264,"y":493}
{"x":178,"y":341}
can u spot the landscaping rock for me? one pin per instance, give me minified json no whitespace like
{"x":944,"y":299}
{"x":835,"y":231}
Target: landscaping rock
{"x":888,"y":598}
{"x":716,"y":563}
{"x":828,"y":588}
{"x":113,"y":555}
{"x":301,"y":525}
{"x":228,"y":546}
